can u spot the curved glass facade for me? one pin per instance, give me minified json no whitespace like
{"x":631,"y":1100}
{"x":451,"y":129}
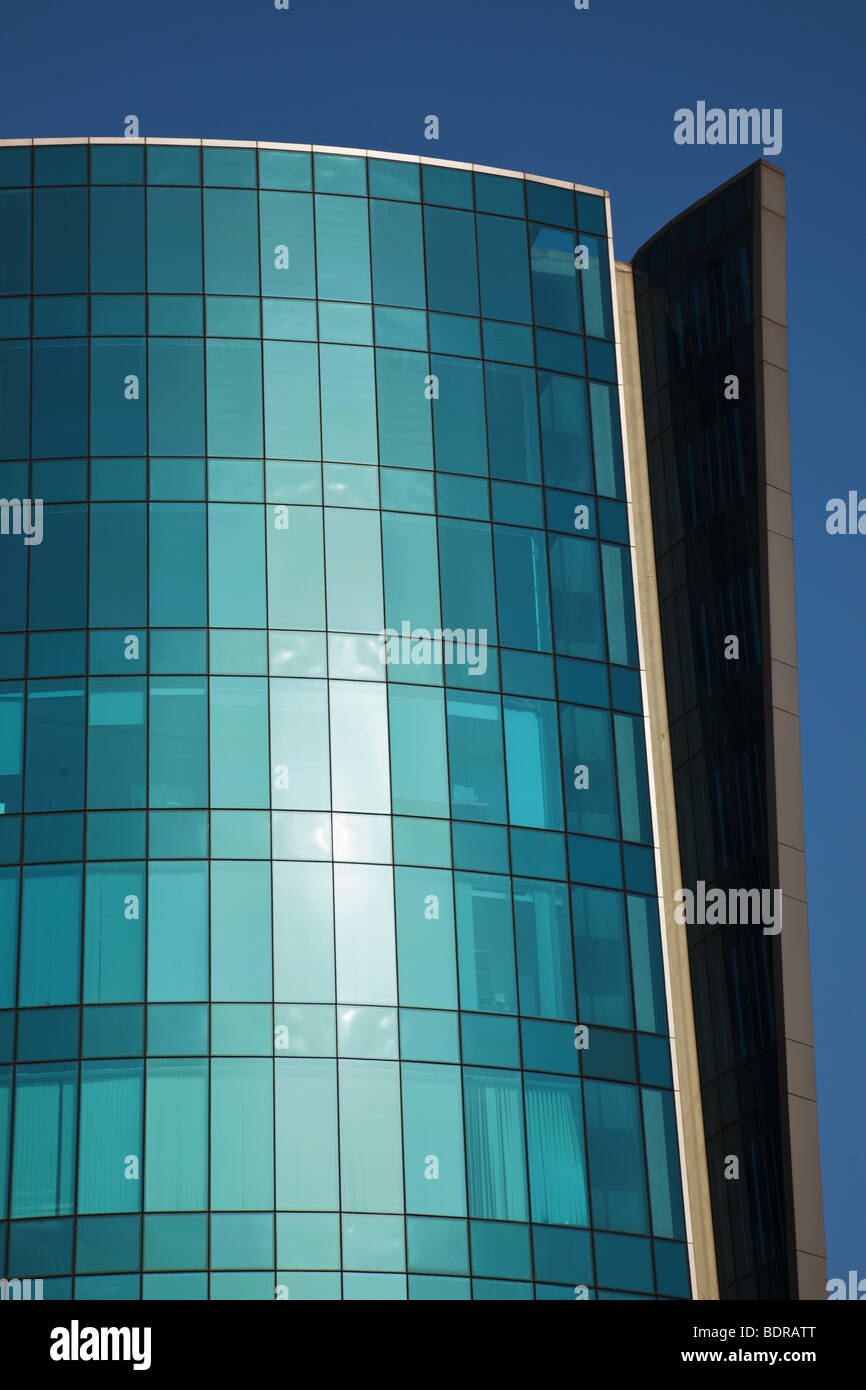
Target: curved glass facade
{"x":330,"y":962}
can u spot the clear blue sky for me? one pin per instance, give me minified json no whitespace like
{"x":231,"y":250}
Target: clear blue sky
{"x":588,"y":96}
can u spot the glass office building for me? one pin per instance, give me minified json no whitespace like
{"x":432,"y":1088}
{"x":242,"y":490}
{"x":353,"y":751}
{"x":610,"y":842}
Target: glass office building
{"x":335,"y":952}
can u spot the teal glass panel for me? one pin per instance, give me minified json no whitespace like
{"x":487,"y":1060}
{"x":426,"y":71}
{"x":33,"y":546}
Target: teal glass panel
{"x":242,"y":1134}
{"x":116,"y":240}
{"x":398,"y":253}
{"x":114,"y":916}
{"x":43,"y":1156}
{"x":15,"y":257}
{"x":234,"y":398}
{"x":59,"y":414}
{"x":14,"y":401}
{"x":296,"y":576}
{"x":231,"y":241}
{"x":452,"y":187}
{"x":578,"y":621}
{"x":174,"y":245}
{"x":466,"y":569}
{"x":50,"y":949}
{"x":240,"y":930}
{"x":485,"y":936}
{"x":533,"y":762}
{"x":616,"y":1158}
{"x":512,"y":423}
{"x":233,"y":168}
{"x":601,"y":958}
{"x":291,"y":400}
{"x":425,"y":938}
{"x":647,"y":969}
{"x":176,"y":396}
{"x":392,"y":178}
{"x":118,"y":396}
{"x":619,"y":605}
{"x":665,"y":1192}
{"x":173,"y":164}
{"x":405,"y":423}
{"x":287,"y":246}
{"x":458,"y":416}
{"x":371,"y":1176}
{"x":342,"y":248}
{"x":590,"y":781}
{"x":176,"y":1137}
{"x":565,"y":432}
{"x":110,"y":1149}
{"x":557,"y":1167}
{"x":178,"y":574}
{"x":495,"y":1152}
{"x":353,"y":552}
{"x":502,"y":269}
{"x":522,"y":589}
{"x":595,"y":281}
{"x":303,"y":931}
{"x":419,"y":779}
{"x":555,"y":283}
{"x":433,"y":1140}
{"x":632,"y":777}
{"x":291,"y":169}
{"x":177,"y":947}
{"x":239,"y":742}
{"x":117,"y":744}
{"x":545,"y":971}
{"x":452,"y":276}
{"x":476,"y":756}
{"x":337,"y":173}
{"x":60,"y":263}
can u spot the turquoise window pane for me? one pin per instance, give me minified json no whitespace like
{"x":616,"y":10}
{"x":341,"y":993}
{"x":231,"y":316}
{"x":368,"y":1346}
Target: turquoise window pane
{"x":342,"y":248}
{"x":337,"y":173}
{"x":55,"y":746}
{"x":647,"y":969}
{"x":452,"y":276}
{"x":476,"y":757}
{"x":595,"y":280}
{"x":288,"y":251}
{"x":236,"y":563}
{"x":453,"y":187}
{"x":292,"y":427}
{"x":555,"y":285}
{"x":565,"y":432}
{"x":242,"y":1134}
{"x":303,"y":931}
{"x":606,"y":439}
{"x":522,"y":589}
{"x":485,"y":943}
{"x":110,"y":1151}
{"x":11,"y":747}
{"x":392,"y":178}
{"x":118,"y":396}
{"x":359,"y":747}
{"x":234,"y":400}
{"x":370,"y":1154}
{"x":306,"y":1137}
{"x":233,"y":168}
{"x":117,"y":163}
{"x":601,"y":957}
{"x":177,"y":942}
{"x":533,"y":761}
{"x":43,"y":1158}
{"x":632,"y":776}
{"x":466,"y":567}
{"x":616,"y":1158}
{"x":619,"y":604}
{"x":419,"y":778}
{"x":398,"y":253}
{"x":545,"y":971}
{"x":240,"y":930}
{"x":60,"y":262}
{"x":59,"y":414}
{"x":299,"y":744}
{"x":411,"y":571}
{"x":50,"y":952}
{"x":308,"y":1240}
{"x":8,"y":935}
{"x":285,"y":169}
{"x":5,"y":1134}
{"x":296,"y":576}
{"x":557,"y":1167}
{"x":425,"y":938}
{"x":578,"y":620}
{"x":174,"y":240}
{"x":495,"y":1155}
{"x":436,"y":1244}
{"x":15,"y":255}
{"x":364,"y":934}
{"x":176,"y":396}
{"x":242,"y":1242}
{"x":500,"y":1248}
{"x":348,"y":404}
{"x":117,"y":744}
{"x":14,"y":400}
{"x":512,"y":423}
{"x":239,"y":742}
{"x":118,"y":578}
{"x":178,"y":569}
{"x":665,"y":1192}
{"x":353,"y":555}
{"x":433,"y":1140}
{"x":502,"y":268}
{"x":458,"y":416}
{"x":114,"y":917}
{"x":405,"y":422}
{"x":116,"y":240}
{"x":590,"y":781}
{"x":231,"y":241}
